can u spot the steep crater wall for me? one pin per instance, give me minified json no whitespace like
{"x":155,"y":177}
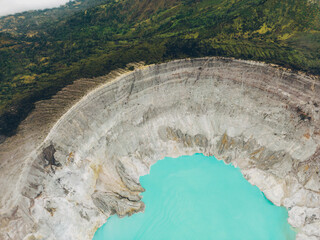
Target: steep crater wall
{"x":261,"y":118}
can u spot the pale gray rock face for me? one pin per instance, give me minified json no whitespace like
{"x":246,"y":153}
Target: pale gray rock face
{"x":262,"y":119}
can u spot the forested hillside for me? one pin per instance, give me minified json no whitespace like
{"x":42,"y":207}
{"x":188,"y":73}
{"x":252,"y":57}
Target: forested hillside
{"x":43,"y":51}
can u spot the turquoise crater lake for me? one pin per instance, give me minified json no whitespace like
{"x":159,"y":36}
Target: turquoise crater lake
{"x":199,"y":197}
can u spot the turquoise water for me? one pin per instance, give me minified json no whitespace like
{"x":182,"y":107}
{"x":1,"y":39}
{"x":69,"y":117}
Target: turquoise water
{"x":197,"y":197}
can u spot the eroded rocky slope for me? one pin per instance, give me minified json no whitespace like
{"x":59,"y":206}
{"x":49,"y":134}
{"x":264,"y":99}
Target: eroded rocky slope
{"x":261,"y":118}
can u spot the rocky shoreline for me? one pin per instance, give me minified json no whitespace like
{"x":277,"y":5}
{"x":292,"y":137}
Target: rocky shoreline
{"x":263,"y":119}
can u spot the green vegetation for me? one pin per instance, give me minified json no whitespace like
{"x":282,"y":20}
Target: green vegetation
{"x":39,"y":57}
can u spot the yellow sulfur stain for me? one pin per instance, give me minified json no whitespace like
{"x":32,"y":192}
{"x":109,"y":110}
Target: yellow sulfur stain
{"x":96,"y":169}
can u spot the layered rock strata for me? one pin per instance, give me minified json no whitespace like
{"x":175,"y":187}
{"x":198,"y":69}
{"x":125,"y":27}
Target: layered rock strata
{"x":261,"y":118}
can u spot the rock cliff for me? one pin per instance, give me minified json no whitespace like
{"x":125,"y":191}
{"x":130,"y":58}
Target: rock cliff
{"x":63,"y":180}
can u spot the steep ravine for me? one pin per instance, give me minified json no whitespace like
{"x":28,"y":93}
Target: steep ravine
{"x":259,"y":117}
